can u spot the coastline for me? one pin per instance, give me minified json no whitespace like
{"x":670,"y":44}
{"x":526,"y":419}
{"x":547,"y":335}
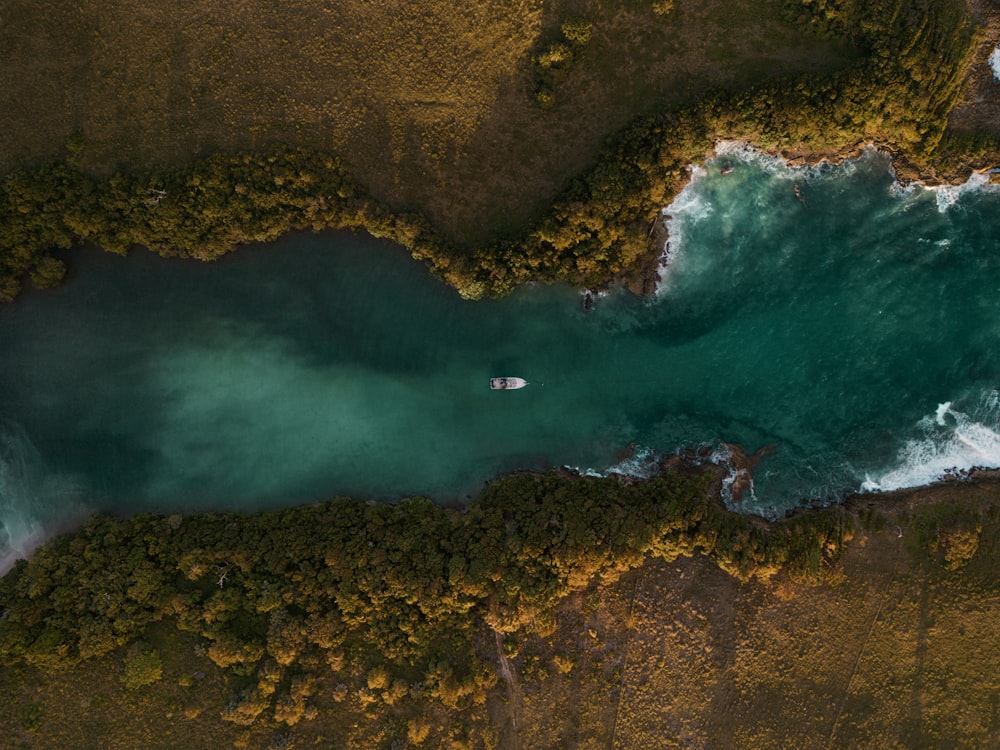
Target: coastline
{"x":906,"y":170}
{"x":740,"y":476}
{"x":644,"y":278}
{"x":737,"y":470}
{"x":659,"y":233}
{"x":979,"y":486}
{"x":617,"y":652}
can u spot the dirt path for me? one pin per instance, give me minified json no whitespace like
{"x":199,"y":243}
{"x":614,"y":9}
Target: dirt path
{"x":864,"y":643}
{"x":622,"y":687}
{"x":514,"y":697}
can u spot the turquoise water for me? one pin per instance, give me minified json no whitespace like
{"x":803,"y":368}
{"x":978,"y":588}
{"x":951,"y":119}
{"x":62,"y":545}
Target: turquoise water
{"x":857,"y":330}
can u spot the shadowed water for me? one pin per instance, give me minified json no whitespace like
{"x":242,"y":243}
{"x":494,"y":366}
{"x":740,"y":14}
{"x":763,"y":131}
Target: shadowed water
{"x":856,"y":328}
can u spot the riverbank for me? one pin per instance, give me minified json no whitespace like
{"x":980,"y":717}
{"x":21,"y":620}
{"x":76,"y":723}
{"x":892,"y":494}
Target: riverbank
{"x":433,"y":110}
{"x":898,"y":652}
{"x":663,"y":648}
{"x":365,"y":624}
{"x":784,"y":321}
{"x":597,"y":225}
{"x":644,"y":278}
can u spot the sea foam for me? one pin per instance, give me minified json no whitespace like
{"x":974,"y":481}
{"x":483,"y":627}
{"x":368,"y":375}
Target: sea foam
{"x":26,"y":487}
{"x":949,"y":443}
{"x":641,"y":463}
{"x":722,"y":455}
{"x":777,"y":166}
{"x":948,"y":196}
{"x":692,"y":204}
{"x":688,"y":205}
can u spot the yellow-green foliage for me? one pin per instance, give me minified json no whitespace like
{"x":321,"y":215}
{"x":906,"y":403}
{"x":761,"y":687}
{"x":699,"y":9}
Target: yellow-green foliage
{"x":429,"y":103}
{"x":554,"y":61}
{"x":245,"y":709}
{"x":951,"y":534}
{"x":199,"y":212}
{"x":898,"y":93}
{"x":385,"y":593}
{"x":577,"y":31}
{"x":143,"y":666}
{"x":969,"y":149}
{"x":960,"y":546}
{"x":417,"y":730}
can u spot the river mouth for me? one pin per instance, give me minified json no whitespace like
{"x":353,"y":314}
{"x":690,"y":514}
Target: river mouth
{"x":824,"y":311}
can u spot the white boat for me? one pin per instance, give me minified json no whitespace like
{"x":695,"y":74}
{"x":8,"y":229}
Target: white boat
{"x":507,"y":384}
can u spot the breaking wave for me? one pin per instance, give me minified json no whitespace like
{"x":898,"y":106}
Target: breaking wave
{"x":639,"y":463}
{"x":690,"y":204}
{"x":950,"y":443}
{"x":693,"y":204}
{"x":948,"y":195}
{"x":745,"y":153}
{"x":642,"y":463}
{"x":722,"y":455}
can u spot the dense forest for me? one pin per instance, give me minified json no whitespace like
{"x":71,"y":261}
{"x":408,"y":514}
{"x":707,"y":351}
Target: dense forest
{"x":898,"y":94}
{"x":555,"y":611}
{"x":380,"y":596}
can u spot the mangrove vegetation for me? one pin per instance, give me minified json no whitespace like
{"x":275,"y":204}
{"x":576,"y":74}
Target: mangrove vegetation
{"x":358,"y":590}
{"x":898,"y":93}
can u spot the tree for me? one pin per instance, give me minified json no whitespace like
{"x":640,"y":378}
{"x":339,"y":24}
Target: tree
{"x":143,"y":666}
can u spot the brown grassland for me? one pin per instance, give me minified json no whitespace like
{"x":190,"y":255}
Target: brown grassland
{"x":978,"y":107}
{"x":896,"y":650}
{"x":429,"y":104}
{"x":900,"y":653}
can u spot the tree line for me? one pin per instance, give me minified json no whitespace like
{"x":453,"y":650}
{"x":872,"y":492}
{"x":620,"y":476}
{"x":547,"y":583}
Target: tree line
{"x":382,"y":596}
{"x":898,"y":93}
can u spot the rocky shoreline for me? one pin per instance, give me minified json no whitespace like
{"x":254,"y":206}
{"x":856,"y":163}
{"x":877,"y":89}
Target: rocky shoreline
{"x":978,"y":486}
{"x":906,"y":170}
{"x":732,"y":480}
{"x":643,"y":278}
{"x":729,"y":480}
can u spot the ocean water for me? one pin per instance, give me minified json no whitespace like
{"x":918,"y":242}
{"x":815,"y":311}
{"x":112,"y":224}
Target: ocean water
{"x":849,"y":323}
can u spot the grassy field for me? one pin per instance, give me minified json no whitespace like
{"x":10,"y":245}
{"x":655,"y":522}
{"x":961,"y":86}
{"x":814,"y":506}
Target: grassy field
{"x":899,"y":654}
{"x":432,"y":105}
{"x":978,"y":109}
{"x":898,"y":651}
